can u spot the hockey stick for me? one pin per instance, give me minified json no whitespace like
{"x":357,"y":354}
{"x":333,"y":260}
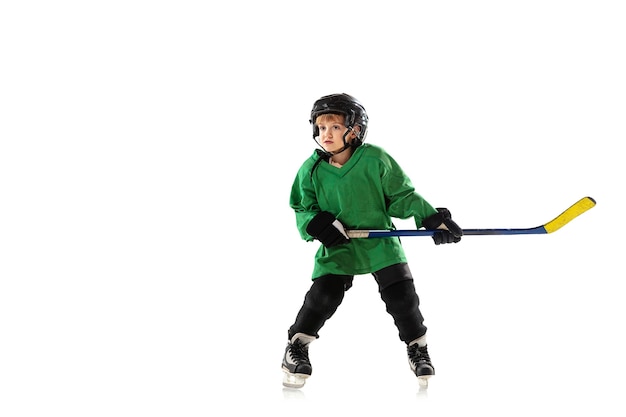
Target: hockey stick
{"x":561,"y":220}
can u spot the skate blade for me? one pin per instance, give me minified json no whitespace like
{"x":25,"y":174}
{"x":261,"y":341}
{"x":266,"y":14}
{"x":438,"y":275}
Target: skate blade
{"x":423,"y":380}
{"x":294,"y":380}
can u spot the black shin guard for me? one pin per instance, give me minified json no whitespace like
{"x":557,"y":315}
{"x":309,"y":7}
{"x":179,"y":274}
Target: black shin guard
{"x":320,"y":303}
{"x":402,"y":303}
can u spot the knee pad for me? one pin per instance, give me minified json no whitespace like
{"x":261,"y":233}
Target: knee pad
{"x":401,"y":299}
{"x":326,"y":294}
{"x":393,"y":274}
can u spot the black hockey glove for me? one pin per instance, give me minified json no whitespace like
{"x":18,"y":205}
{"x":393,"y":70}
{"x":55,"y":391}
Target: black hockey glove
{"x":327,"y":229}
{"x":443,"y":218}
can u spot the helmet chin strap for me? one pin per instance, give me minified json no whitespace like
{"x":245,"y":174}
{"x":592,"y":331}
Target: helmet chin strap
{"x":325,"y":155}
{"x":346,"y":144}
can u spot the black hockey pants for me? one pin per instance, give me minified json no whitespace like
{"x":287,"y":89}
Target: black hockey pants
{"x":396,"y":288}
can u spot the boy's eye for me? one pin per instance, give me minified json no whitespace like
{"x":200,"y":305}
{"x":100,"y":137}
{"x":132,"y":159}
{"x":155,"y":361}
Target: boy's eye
{"x":333,"y":127}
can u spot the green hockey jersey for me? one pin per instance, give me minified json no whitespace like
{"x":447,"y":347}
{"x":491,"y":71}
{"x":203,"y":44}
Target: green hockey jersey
{"x":365,"y":193}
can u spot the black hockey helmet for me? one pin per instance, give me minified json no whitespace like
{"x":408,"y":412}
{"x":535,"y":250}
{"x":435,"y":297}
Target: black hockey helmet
{"x":353,"y":112}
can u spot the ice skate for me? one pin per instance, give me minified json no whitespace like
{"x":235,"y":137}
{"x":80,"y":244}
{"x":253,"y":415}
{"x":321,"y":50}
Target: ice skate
{"x":420,"y":363}
{"x":296,"y":364}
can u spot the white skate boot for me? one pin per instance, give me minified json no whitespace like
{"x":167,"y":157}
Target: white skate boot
{"x":296,"y":365}
{"x":420,"y":362}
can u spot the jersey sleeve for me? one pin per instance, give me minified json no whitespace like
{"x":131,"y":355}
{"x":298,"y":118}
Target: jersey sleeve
{"x":303,"y":201}
{"x":403,"y":200}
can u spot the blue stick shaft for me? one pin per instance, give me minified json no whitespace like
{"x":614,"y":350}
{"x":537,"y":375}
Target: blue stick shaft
{"x":466,"y":232}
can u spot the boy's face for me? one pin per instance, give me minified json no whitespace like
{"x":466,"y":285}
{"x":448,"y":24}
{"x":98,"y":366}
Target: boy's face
{"x":331,"y":130}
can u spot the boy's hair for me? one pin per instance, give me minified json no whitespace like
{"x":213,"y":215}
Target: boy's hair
{"x":330,"y":117}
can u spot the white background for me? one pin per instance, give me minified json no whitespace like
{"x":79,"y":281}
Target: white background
{"x":149,"y":261}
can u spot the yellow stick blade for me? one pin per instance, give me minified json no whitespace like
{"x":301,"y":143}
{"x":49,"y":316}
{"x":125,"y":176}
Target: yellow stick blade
{"x":575,"y":210}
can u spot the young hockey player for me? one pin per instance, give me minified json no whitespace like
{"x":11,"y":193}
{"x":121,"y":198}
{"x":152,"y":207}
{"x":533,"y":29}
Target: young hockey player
{"x":352,"y":185}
